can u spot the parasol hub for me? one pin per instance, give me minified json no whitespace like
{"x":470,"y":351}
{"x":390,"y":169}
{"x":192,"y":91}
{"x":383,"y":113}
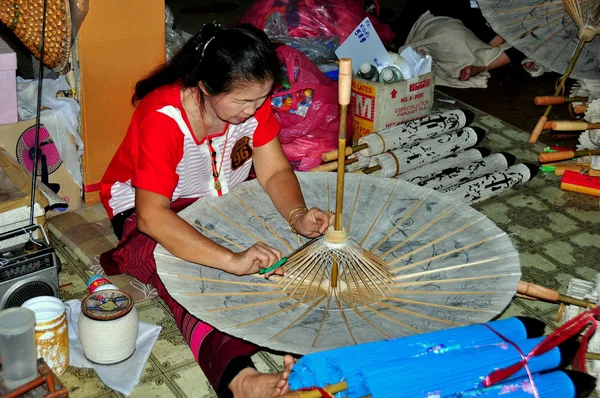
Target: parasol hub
{"x":325,"y":285}
{"x":587,"y":32}
{"x":336,"y":239}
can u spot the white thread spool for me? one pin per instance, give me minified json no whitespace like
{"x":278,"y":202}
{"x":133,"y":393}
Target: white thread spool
{"x":108,"y":326}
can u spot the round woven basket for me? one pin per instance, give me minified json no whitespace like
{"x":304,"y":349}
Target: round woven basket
{"x":24,"y":18}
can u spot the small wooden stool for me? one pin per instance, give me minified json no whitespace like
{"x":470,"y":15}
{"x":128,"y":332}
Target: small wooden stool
{"x":46,"y":385}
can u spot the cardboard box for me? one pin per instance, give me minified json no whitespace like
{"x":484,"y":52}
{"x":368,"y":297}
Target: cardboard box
{"x":376,"y":106}
{"x":8,"y":84}
{"x":69,"y":190}
{"x":119,"y":43}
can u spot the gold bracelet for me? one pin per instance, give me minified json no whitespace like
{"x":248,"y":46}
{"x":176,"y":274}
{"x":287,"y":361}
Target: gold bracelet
{"x":290,"y":220}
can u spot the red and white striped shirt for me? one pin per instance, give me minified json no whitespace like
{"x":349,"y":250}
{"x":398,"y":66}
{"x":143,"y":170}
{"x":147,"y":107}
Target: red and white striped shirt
{"x":161,"y":154}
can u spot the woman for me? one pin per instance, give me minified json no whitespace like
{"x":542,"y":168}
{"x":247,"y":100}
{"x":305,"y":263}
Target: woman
{"x":201,"y":121}
{"x":459,"y":39}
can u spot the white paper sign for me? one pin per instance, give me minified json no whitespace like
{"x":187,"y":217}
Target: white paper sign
{"x":364,"y":45}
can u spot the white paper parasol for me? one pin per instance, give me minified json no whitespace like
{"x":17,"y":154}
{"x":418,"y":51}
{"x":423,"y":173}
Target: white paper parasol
{"x":546,"y":33}
{"x":433,"y":263}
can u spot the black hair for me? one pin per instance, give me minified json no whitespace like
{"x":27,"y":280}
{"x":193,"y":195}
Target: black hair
{"x":220,"y":58}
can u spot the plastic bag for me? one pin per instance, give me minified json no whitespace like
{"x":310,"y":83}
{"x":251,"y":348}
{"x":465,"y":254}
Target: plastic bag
{"x":318,"y":49}
{"x":174,"y":38}
{"x":306,"y":91}
{"x":314,"y":18}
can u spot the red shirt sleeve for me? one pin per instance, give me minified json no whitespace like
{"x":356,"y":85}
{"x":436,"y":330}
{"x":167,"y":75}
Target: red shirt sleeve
{"x":160,"y":151}
{"x":268,"y":126}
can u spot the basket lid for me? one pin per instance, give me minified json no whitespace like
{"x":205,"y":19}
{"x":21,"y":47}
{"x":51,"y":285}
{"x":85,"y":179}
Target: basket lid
{"x":107,"y":305}
{"x":24,"y":18}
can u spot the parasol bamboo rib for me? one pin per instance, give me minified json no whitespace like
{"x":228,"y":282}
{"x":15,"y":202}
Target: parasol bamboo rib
{"x":209,"y":232}
{"x":365,"y":319}
{"x":196,"y":278}
{"x":354,"y":205}
{"x":397,"y":224}
{"x":473,"y":278}
{"x":453,"y":267}
{"x":448,"y":307}
{"x":267,"y":226}
{"x":393,"y":320}
{"x":443,"y":292}
{"x":441,"y":255}
{"x":408,"y":312}
{"x":421,"y":230}
{"x":383,"y":207}
{"x":302,"y":316}
{"x":436,"y":241}
{"x":564,"y":13}
{"x":343,"y":315}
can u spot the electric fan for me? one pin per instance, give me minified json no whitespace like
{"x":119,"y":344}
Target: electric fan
{"x":48,"y":157}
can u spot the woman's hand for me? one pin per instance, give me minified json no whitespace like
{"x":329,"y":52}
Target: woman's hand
{"x":251,"y":260}
{"x":312,"y":223}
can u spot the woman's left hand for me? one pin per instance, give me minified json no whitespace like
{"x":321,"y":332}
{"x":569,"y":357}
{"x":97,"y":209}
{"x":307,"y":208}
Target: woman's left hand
{"x":313,"y":223}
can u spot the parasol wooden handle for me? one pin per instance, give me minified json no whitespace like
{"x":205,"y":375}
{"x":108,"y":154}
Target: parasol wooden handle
{"x":332,"y":389}
{"x":547,"y":157}
{"x":535,"y":134}
{"x":556,"y":100}
{"x":333,"y":155}
{"x":333,"y":165}
{"x":549,"y":100}
{"x":546,"y":294}
{"x":574,"y":126}
{"x":537,"y":291}
{"x":565,"y":155}
{"x":565,"y":136}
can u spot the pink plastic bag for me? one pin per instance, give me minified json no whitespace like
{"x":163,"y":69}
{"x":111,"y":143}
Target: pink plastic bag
{"x":305,"y":138}
{"x":310,"y":18}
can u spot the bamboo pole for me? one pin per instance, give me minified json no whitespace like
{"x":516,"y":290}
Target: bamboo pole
{"x":344,"y":93}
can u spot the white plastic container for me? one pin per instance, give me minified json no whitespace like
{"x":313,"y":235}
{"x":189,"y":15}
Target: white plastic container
{"x":51,"y":331}
{"x":17,"y":345}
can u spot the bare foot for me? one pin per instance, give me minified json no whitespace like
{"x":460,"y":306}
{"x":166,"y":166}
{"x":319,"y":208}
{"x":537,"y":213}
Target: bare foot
{"x":250,"y":383}
{"x":529,"y":65}
{"x":470,"y":71}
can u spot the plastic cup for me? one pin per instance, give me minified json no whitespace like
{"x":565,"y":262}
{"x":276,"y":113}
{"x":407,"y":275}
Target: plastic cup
{"x":17,"y":346}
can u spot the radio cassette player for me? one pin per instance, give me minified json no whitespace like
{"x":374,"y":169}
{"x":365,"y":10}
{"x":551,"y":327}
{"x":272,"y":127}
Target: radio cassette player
{"x":28,"y":269}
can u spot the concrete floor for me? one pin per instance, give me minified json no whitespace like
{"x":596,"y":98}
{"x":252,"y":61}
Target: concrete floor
{"x":509,"y":96}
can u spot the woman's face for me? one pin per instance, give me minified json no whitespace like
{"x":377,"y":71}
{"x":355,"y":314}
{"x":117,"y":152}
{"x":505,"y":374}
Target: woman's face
{"x":239,"y":105}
